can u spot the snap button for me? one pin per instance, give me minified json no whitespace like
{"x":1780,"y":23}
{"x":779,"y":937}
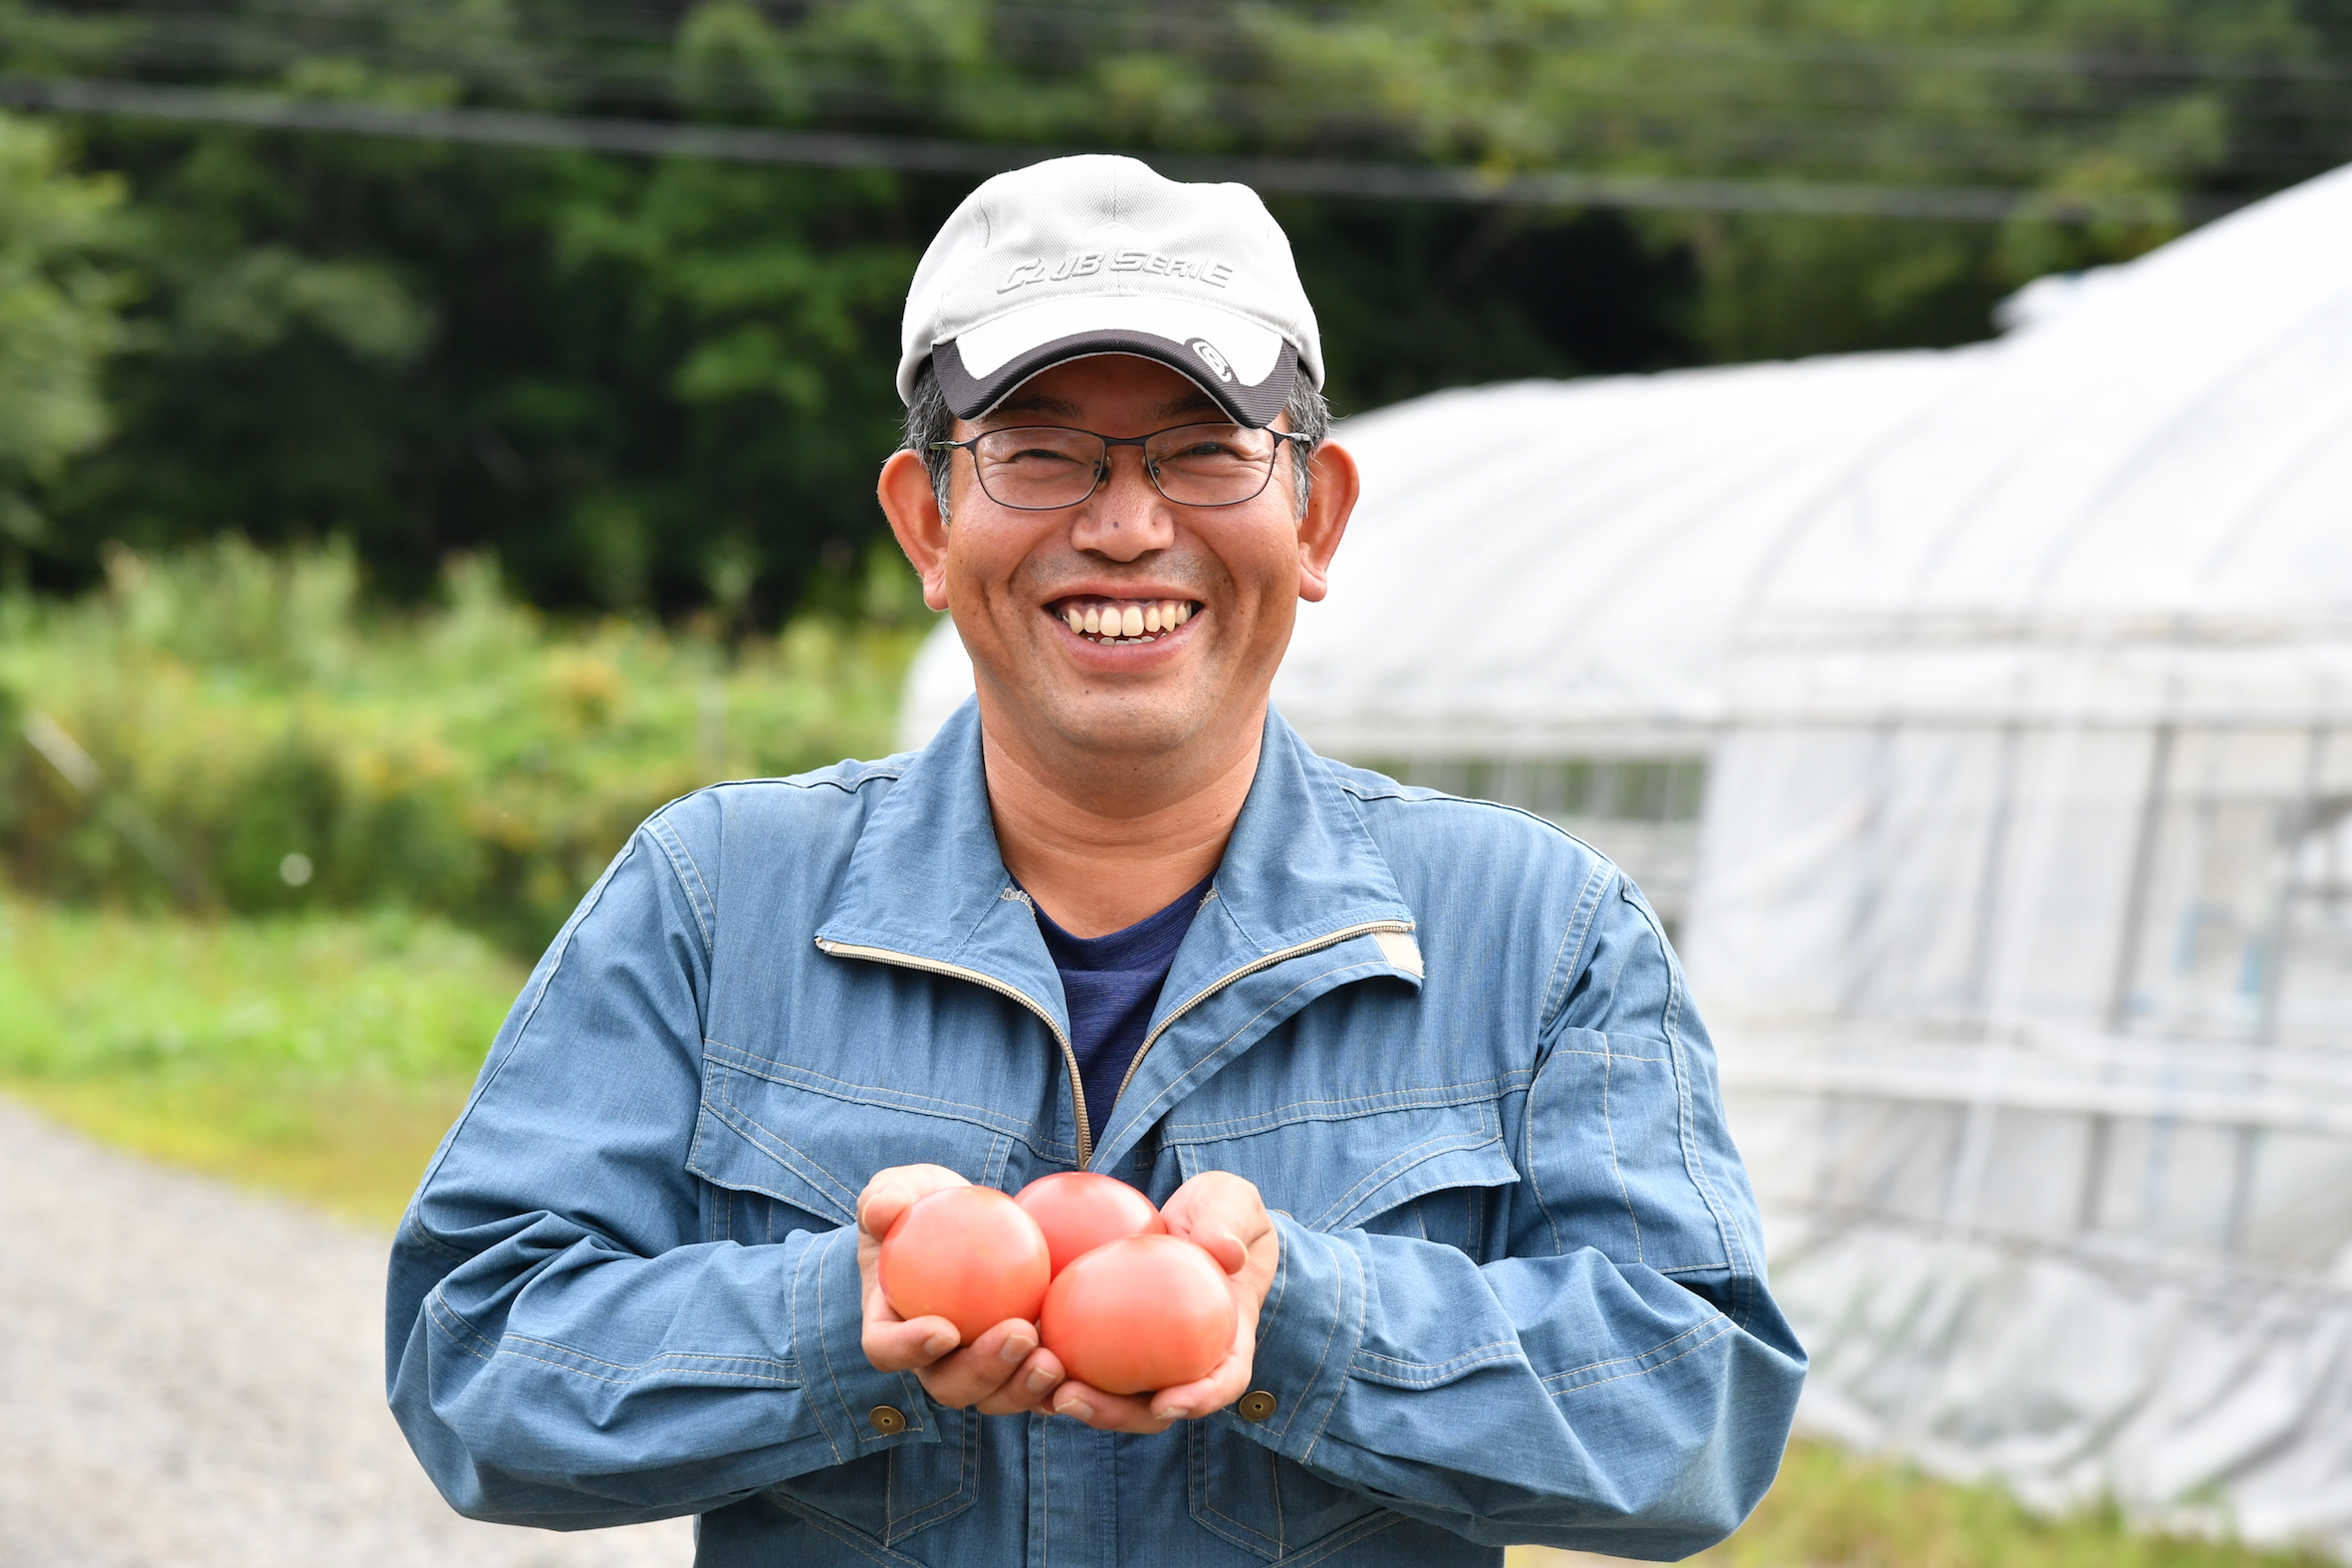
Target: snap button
{"x":886,"y":1420}
{"x":1256,"y":1405}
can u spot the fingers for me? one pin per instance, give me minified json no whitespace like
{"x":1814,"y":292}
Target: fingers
{"x":1029,"y":1390}
{"x":1226,"y":1381}
{"x":1109,"y":1412}
{"x":1226,"y":1247}
{"x":1002,"y":1367}
{"x":887,"y":1195}
{"x":1222,"y":1213}
{"x":893,"y":1345}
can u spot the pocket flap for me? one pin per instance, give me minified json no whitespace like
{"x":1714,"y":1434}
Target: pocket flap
{"x":756,"y":1134}
{"x":1331,"y":1173}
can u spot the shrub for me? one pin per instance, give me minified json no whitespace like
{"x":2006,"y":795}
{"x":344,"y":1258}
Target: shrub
{"x":236,"y":730}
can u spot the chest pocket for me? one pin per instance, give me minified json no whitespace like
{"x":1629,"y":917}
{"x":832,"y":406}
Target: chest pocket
{"x":787,"y":1150}
{"x":810,"y":1142}
{"x":1434,"y":1173}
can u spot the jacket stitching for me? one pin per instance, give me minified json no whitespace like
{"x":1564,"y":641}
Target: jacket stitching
{"x":1251,"y":1539}
{"x":416,"y":1231}
{"x":681,"y":861}
{"x":1339,"y":1314}
{"x":870,"y":773}
{"x":694,"y":1372}
{"x":743,"y":1061}
{"x":1528,"y":1144}
{"x":1608,"y":1122}
{"x":1643,"y":1372}
{"x":792,"y":1158}
{"x":1473,"y":1353}
{"x":1348,"y":1534}
{"x":666,"y":1356}
{"x":833,"y":1373}
{"x":1145,"y":1114}
{"x":1348,"y":1261}
{"x":1397,"y":1100}
{"x":1400,"y":1164}
{"x":1427,"y":1374}
{"x":1694,"y":1162}
{"x":463,"y":1335}
{"x":1568,"y":962}
{"x":1274,"y":1475}
{"x":563,"y":950}
{"x":1555,"y":995}
{"x":1248,"y":1537}
{"x":1713,"y":1320}
{"x":856,"y":1540}
{"x":896,"y":1526}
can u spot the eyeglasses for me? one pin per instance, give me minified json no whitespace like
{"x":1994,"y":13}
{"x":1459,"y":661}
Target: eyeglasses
{"x":1040,"y":468}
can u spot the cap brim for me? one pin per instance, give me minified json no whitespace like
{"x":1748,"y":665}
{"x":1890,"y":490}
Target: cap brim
{"x":1214,"y":349}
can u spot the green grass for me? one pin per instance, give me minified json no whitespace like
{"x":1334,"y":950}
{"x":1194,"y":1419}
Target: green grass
{"x":1834,"y":1509}
{"x":317,"y":1056}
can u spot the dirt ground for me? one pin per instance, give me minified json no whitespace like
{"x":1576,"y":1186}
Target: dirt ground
{"x":192,"y":1378}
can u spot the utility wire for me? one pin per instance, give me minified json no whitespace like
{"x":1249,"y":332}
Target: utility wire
{"x":1978,"y":53}
{"x":938,"y":156}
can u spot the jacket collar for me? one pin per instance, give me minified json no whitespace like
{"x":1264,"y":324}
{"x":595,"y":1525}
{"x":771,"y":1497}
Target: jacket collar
{"x":927,"y":881}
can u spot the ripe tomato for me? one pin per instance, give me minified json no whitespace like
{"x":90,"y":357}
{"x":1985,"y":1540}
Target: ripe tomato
{"x":968,"y":1255}
{"x":1079,"y":1210}
{"x":1139,"y":1314}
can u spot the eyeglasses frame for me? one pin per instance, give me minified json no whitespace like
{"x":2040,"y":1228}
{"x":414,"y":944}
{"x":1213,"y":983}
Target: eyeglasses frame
{"x":1102,"y":474}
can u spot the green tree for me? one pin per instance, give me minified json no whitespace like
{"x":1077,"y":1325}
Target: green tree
{"x":667,"y":384}
{"x":58,"y":322}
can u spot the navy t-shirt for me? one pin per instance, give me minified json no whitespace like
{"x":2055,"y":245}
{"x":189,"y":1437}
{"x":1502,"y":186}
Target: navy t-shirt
{"x":1110,"y":985}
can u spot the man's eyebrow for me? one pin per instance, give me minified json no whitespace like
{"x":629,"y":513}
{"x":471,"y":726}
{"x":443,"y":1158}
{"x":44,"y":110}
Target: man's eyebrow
{"x":1191,"y":402}
{"x":1032,"y":403}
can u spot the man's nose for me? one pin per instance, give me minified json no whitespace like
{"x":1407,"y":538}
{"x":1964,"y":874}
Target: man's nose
{"x":1126,"y":517}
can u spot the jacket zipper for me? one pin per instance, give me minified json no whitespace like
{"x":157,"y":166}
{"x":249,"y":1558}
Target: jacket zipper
{"x":1069,"y":1056}
{"x":1251,"y":968}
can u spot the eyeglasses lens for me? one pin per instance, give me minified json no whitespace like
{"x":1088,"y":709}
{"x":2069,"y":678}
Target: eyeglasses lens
{"x":1038,"y":468}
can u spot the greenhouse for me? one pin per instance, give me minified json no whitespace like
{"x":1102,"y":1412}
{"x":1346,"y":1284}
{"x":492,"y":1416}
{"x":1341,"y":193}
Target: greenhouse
{"x":1982,"y":723}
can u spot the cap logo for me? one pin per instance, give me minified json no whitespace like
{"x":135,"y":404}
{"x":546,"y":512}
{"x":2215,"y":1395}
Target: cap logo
{"x":1084,"y":264}
{"x":1211,"y":359}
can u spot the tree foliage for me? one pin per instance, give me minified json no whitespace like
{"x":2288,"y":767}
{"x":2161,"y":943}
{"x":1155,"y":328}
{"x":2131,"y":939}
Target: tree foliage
{"x":58,"y":322}
{"x":667,"y":383}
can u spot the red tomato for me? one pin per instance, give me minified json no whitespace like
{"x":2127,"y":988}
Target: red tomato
{"x":1079,"y":1210}
{"x":968,"y":1255}
{"x":1147,"y":1312}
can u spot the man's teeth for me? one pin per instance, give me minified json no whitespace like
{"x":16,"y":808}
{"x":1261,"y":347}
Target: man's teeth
{"x":1127,"y":623}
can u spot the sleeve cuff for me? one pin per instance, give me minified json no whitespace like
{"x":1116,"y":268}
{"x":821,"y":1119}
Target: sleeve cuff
{"x":843,"y":1389}
{"x":1307,"y":1334}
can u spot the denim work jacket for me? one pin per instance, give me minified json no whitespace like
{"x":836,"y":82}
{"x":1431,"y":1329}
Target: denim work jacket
{"x":1520,"y":1300}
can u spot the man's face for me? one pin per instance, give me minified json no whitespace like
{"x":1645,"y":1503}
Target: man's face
{"x":1223,"y":583}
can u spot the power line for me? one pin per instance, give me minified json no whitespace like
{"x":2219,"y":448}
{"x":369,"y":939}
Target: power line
{"x":939,"y":155}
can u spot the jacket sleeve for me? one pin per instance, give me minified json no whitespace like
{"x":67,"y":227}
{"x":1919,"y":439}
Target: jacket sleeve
{"x":564,"y":1346}
{"x":1566,"y":1392}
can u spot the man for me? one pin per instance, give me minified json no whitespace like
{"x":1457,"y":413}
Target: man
{"x":1420,"y":1073}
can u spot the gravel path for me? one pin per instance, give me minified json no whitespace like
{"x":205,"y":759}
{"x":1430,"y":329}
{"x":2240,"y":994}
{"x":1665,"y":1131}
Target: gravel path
{"x":191,"y":1377}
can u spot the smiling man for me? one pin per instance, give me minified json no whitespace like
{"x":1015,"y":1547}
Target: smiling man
{"x":1420,"y":1073}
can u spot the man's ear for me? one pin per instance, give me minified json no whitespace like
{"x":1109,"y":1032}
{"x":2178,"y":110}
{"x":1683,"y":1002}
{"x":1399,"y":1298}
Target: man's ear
{"x":1329,"y":506}
{"x":913,"y":509}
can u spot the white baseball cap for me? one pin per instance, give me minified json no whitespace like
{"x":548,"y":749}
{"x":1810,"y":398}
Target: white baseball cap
{"x":1098,"y":255}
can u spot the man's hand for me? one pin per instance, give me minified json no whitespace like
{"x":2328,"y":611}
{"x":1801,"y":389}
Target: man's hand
{"x":1001,"y":1373}
{"x":1224,"y":1213}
